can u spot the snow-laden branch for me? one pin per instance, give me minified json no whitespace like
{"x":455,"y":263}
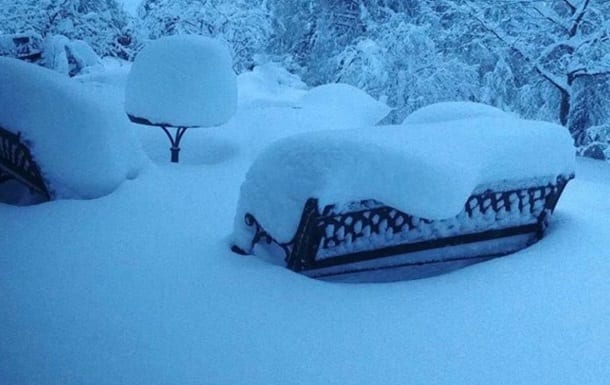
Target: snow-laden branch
{"x":571,"y":6}
{"x":578,"y":17}
{"x":552,"y":16}
{"x":536,"y":63}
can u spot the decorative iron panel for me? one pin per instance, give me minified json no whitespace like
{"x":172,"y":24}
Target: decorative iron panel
{"x":372,"y":225}
{"x":368,"y":229}
{"x":16,"y":161}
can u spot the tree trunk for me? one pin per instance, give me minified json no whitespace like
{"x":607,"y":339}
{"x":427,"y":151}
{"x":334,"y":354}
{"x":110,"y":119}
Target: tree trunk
{"x":564,"y":107}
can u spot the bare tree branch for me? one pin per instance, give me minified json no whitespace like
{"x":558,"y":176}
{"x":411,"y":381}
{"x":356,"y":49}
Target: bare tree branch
{"x":553,"y":20}
{"x":579,"y":17}
{"x":570,"y":5}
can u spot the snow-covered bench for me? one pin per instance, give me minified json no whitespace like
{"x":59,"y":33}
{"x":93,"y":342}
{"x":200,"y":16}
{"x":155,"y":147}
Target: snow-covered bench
{"x":59,"y":138}
{"x":403,"y":202}
{"x":17,"y":163}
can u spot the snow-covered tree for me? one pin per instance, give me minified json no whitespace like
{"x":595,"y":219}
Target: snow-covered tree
{"x":101,"y":23}
{"x":562,"y":42}
{"x":244,"y":24}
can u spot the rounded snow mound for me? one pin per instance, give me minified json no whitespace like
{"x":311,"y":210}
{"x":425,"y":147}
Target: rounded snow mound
{"x":343,"y":103}
{"x":447,"y":111}
{"x":84,"y":146}
{"x":269,"y":85}
{"x":184,"y":80}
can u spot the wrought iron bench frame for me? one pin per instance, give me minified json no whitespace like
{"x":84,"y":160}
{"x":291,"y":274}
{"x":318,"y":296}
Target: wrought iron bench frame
{"x":17,"y":162}
{"x":325,"y":230}
{"x":173,"y":139}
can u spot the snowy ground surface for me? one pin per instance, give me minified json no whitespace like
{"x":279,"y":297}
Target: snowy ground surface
{"x":139,"y":287}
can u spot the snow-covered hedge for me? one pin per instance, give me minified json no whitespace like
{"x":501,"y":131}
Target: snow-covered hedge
{"x":84,"y":147}
{"x":427,"y":170}
{"x":182,"y":80}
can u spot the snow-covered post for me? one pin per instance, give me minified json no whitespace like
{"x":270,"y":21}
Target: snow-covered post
{"x":181,"y":82}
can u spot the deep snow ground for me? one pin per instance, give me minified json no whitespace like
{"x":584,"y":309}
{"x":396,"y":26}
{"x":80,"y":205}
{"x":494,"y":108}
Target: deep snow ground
{"x":139,"y":287}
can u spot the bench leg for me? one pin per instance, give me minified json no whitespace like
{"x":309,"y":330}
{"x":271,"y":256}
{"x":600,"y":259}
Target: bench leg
{"x":175,"y":141}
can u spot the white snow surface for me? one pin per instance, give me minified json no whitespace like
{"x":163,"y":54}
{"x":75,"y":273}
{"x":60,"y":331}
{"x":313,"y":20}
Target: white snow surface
{"x":448,"y":111}
{"x":269,"y":85}
{"x":182,"y":80}
{"x":139,"y":287}
{"x":331,"y":102}
{"x":84,"y":146}
{"x":130,"y":6}
{"x":426,"y":170}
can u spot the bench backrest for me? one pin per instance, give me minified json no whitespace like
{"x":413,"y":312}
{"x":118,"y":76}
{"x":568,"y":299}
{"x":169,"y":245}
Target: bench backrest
{"x":16,"y":162}
{"x":366,"y":230}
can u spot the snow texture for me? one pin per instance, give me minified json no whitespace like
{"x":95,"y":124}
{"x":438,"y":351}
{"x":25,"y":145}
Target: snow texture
{"x":328,"y":101}
{"x":447,"y":111}
{"x":269,"y":85}
{"x":69,"y":57}
{"x":130,"y":6}
{"x":426,"y":170}
{"x":183,"y":80}
{"x":141,"y":288}
{"x":84,"y":147}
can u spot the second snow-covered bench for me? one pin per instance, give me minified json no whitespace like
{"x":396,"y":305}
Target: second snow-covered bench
{"x":403,"y":202}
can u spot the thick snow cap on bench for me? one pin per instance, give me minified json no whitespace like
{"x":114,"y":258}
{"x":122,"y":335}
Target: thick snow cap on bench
{"x":183,"y":80}
{"x":447,"y":111}
{"x":426,"y":170}
{"x":84,"y":146}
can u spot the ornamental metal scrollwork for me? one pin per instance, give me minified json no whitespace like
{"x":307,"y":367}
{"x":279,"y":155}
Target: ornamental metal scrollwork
{"x":17,"y":162}
{"x":261,"y":235}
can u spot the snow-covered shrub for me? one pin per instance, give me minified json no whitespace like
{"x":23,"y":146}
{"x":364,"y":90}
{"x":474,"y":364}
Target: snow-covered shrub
{"x":364,"y":65}
{"x":244,"y":24}
{"x":268,"y":85}
{"x":596,"y":142}
{"x":69,"y":57}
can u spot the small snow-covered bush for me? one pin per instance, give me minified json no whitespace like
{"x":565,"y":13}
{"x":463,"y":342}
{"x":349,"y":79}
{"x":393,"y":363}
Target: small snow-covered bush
{"x":69,"y":57}
{"x":596,"y":143}
{"x":268,"y":85}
